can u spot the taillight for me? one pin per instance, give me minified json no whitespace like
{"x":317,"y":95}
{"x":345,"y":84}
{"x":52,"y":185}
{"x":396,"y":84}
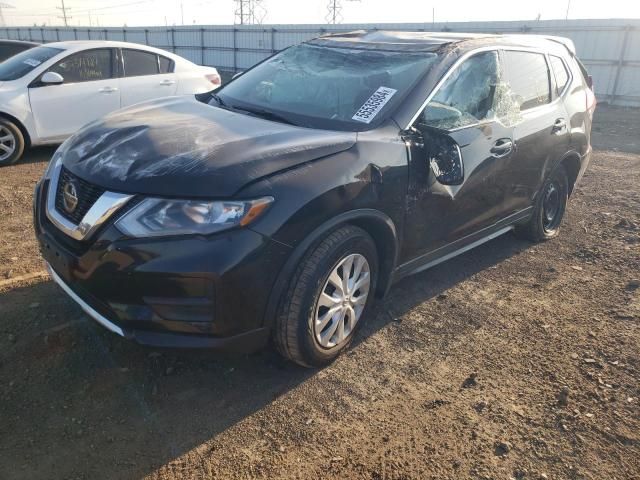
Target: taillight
{"x":214,"y":78}
{"x":591,"y":100}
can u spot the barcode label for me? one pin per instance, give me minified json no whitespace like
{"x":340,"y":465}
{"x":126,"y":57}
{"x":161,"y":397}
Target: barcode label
{"x":374,"y":104}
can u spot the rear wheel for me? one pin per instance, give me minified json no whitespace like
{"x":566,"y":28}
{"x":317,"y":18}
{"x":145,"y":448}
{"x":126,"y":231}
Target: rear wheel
{"x":549,"y":209}
{"x":327,"y":298}
{"x":11,"y":143}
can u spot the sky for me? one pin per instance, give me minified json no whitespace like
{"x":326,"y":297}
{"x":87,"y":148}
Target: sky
{"x":222,"y":12}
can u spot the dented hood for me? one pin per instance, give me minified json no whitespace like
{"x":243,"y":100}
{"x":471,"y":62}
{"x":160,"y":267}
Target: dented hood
{"x":180,"y":147}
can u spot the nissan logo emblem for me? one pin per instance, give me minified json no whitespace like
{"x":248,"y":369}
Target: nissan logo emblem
{"x":69,"y":197}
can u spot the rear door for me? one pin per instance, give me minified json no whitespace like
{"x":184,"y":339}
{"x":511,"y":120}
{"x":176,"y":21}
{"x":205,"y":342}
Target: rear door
{"x":540,"y":126}
{"x":146,"y":75}
{"x":89,"y":91}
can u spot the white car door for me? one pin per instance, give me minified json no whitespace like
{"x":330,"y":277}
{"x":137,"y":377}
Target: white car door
{"x":89,"y":91}
{"x":146,"y":76}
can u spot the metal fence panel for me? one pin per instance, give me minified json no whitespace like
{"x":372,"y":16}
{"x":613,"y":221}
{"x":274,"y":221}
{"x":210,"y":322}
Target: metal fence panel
{"x":609,"y":48}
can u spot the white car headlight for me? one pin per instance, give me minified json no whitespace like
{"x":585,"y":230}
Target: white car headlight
{"x":154,"y":217}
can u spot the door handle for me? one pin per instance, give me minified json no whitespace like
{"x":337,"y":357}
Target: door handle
{"x":502,"y":147}
{"x":559,"y":125}
{"x":108,"y":90}
{"x":167,"y":82}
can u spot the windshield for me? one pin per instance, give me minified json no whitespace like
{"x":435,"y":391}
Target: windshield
{"x":22,"y":63}
{"x":320,"y":87}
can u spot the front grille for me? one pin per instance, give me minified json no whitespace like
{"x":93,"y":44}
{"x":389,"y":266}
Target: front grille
{"x":87,"y":196}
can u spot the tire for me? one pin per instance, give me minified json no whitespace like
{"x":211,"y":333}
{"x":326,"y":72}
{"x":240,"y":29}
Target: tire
{"x":547,"y":216}
{"x":299,"y":334}
{"x":11,"y":143}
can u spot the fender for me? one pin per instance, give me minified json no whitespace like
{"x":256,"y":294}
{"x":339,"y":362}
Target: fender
{"x":377,"y":224}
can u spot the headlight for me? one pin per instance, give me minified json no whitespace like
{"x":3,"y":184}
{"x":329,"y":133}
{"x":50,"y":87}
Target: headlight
{"x":52,"y":163}
{"x":154,"y":217}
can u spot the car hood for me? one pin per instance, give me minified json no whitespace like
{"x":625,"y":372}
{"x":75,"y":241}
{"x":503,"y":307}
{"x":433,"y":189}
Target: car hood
{"x":180,"y":147}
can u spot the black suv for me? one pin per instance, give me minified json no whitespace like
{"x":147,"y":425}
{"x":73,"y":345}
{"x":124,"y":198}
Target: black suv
{"x":279,"y":206}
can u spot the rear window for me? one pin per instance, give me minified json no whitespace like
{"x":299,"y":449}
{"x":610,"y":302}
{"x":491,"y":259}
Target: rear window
{"x":22,"y":63}
{"x":560,"y":72}
{"x":138,"y":63}
{"x":166,"y":65}
{"x":528,"y":78}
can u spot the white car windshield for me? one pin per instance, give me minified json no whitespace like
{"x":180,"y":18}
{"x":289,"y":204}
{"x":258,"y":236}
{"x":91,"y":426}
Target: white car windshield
{"x":326,"y":87}
{"x":19,"y":65}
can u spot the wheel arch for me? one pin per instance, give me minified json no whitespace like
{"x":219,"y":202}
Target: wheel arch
{"x":571,"y":164}
{"x":374,"y":222}
{"x":21,"y":127}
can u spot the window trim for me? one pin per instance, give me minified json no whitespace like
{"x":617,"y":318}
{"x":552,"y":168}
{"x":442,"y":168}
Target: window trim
{"x":569,"y":75}
{"x":114,"y":69}
{"x":463,"y":58}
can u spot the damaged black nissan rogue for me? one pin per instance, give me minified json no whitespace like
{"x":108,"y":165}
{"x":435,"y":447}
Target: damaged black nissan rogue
{"x":280,"y":206}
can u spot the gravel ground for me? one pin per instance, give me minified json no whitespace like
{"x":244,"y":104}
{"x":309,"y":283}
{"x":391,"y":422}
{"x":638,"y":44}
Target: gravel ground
{"x":512,"y":361}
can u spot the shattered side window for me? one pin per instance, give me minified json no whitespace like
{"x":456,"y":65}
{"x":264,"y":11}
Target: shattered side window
{"x":468,"y":96}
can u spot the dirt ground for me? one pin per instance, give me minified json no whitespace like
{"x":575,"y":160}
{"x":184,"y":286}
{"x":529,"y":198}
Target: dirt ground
{"x":462,"y":373}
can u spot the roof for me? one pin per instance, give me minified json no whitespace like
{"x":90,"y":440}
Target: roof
{"x":17,"y":42}
{"x":75,"y":45}
{"x":431,"y":41}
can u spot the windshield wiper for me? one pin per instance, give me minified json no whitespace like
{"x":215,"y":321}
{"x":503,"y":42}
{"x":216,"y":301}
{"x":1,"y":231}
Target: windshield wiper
{"x":220,"y":102}
{"x":266,"y":114}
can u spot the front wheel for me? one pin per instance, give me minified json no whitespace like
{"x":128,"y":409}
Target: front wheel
{"x":549,"y":208}
{"x":11,"y":143}
{"x":327,"y":298}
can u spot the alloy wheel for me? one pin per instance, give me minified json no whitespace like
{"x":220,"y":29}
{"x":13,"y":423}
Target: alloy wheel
{"x":7,"y":143}
{"x":342,"y":300}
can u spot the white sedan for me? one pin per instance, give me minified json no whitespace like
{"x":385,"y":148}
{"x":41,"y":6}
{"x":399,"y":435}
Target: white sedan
{"x":48,"y":92}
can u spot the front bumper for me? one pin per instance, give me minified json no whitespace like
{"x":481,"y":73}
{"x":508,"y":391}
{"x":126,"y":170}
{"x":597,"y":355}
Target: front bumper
{"x":191,"y":291}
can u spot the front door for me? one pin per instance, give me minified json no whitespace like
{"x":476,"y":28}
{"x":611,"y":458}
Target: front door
{"x":463,"y":110}
{"x":89,"y":91}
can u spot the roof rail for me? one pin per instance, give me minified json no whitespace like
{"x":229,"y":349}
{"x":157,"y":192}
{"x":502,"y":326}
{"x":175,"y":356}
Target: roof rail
{"x":566,"y":42}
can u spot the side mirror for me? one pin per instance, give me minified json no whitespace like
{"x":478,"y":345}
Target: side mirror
{"x":237,"y":74}
{"x":52,"y":78}
{"x":445,"y":159}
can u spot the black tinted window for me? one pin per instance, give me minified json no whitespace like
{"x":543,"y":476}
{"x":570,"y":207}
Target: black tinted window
{"x":22,"y":63}
{"x":7,"y":51}
{"x":166,"y":65}
{"x":467,"y":96}
{"x":528,"y":78}
{"x":86,"y":66}
{"x":560,"y":72}
{"x":138,"y":63}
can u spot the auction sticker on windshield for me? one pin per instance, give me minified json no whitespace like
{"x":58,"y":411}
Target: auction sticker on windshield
{"x":374,"y":104}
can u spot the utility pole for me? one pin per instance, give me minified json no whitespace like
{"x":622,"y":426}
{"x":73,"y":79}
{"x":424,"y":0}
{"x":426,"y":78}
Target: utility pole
{"x":182,"y":13}
{"x":3,"y":5}
{"x":249,"y":12}
{"x":566,"y":17}
{"x":64,"y":16}
{"x":335,"y":7}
